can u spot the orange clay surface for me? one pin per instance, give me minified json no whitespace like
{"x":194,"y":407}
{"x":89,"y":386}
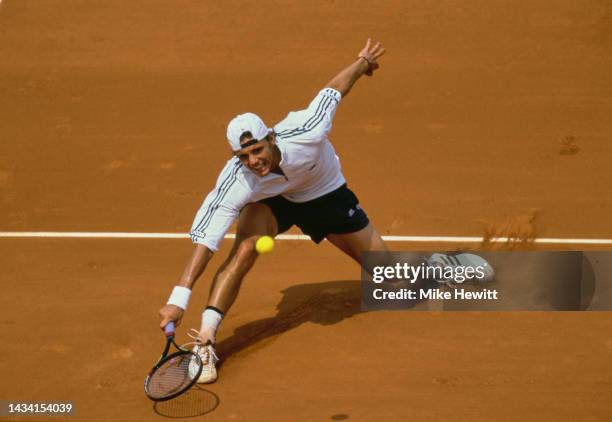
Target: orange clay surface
{"x":486,"y":117}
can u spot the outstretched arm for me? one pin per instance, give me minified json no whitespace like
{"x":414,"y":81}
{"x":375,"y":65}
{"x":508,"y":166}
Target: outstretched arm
{"x":366,"y":63}
{"x":194,"y":268}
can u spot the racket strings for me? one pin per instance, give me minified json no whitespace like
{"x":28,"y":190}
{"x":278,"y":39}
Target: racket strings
{"x":177,"y":372}
{"x":173,"y":375}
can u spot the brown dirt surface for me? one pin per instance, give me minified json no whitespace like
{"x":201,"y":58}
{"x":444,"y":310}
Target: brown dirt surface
{"x":113,"y":119}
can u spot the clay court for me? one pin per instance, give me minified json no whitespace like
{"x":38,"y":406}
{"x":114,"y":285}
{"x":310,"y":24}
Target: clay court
{"x":487,"y":118}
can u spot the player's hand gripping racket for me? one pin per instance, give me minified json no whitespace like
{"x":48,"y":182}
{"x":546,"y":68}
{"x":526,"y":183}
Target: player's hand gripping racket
{"x":173,"y":374}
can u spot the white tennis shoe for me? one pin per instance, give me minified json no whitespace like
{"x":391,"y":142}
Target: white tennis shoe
{"x":482,"y":271}
{"x":206,"y":352}
{"x":207,"y":355}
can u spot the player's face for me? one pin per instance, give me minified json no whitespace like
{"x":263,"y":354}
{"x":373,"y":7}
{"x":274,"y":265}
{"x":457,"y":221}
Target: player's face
{"x":259,"y":158}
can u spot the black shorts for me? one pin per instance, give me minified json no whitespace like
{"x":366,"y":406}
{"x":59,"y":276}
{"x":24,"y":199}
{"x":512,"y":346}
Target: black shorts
{"x":337,"y":212}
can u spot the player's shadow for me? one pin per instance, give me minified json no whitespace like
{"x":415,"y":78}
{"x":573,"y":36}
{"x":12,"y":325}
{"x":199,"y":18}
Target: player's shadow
{"x":321,"y":303}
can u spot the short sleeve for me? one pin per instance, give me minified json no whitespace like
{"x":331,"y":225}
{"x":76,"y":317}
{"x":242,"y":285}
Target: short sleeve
{"x":314,"y":122}
{"x":220,"y":208}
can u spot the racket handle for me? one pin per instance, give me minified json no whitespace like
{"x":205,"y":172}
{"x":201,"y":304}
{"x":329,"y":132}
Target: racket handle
{"x":169,"y":329}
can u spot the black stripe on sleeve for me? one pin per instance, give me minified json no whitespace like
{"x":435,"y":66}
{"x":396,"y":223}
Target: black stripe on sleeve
{"x":220,"y":199}
{"x":314,"y":116}
{"x":305,"y":129}
{"x":225,"y":184}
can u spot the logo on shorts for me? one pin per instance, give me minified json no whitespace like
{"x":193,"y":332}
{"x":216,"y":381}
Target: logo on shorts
{"x":351,"y":212}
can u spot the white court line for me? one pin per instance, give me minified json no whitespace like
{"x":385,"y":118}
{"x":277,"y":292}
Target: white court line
{"x":440,"y":239}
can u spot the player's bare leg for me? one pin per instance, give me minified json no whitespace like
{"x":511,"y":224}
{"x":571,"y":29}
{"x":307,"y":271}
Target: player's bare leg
{"x":369,"y":240}
{"x":255,"y":220}
{"x":354,"y":244}
{"x":366,"y":240}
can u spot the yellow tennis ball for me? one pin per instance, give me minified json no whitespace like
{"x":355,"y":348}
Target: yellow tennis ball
{"x":264,"y":244}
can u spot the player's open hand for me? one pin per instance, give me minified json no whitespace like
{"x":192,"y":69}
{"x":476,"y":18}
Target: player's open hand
{"x":170,"y":313}
{"x":370,"y":53}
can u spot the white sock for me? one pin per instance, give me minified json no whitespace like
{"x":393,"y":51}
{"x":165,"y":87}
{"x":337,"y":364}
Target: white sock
{"x":211,"y":318}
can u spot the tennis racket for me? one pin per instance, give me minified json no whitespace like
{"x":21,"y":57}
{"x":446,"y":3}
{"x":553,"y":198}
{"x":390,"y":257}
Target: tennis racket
{"x":174,"y":373}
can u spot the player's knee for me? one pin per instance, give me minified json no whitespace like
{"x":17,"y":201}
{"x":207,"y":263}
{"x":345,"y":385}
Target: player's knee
{"x":246,"y":250}
{"x":256,"y":218}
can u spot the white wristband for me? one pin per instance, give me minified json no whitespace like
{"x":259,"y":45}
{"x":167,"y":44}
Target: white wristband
{"x":179,"y":297}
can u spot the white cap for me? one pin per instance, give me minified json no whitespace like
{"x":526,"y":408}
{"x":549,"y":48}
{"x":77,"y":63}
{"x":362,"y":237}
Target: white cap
{"x":247,"y":122}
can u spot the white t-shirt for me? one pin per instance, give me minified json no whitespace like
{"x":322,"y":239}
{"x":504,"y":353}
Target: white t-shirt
{"x":308,"y":160}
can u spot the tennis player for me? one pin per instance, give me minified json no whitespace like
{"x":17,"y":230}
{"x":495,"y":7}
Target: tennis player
{"x":278,"y":177}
